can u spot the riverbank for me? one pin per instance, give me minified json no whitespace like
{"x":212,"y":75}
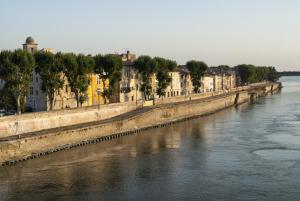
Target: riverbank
{"x":16,"y":148}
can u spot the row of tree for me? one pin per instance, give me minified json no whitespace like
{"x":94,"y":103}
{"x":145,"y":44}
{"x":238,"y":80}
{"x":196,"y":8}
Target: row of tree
{"x":253,"y":74}
{"x":161,"y":67}
{"x":16,"y":69}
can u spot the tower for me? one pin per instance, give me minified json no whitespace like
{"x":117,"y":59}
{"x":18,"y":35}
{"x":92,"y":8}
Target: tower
{"x":30,"y":45}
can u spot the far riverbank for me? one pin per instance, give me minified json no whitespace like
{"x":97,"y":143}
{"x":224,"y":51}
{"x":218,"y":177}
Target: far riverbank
{"x":48,"y":141}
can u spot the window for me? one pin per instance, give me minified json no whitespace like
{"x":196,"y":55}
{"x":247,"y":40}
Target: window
{"x":36,"y":79}
{"x":31,"y":91}
{"x":37,"y":92}
{"x":132,"y":98}
{"x":177,"y":93}
{"x":66,"y":87}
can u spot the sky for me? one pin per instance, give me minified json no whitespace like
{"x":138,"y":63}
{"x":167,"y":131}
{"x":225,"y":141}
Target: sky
{"x":229,"y":32}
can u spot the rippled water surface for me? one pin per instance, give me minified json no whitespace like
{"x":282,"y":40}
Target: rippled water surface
{"x":247,"y":153}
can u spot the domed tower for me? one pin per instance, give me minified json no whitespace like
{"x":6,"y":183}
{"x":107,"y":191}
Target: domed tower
{"x":30,"y":45}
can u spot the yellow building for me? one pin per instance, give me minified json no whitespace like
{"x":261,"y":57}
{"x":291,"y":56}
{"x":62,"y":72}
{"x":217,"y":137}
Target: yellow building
{"x":95,"y":86}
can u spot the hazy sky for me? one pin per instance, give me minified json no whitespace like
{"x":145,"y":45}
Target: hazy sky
{"x":261,"y":32}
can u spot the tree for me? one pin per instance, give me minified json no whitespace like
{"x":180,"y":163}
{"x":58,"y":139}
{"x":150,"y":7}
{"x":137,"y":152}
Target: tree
{"x":50,"y":68}
{"x":146,"y":66}
{"x":76,"y":70}
{"x":261,"y":73}
{"x":7,"y":99}
{"x":273,"y":75}
{"x":108,"y":67}
{"x":197,"y":70}
{"x":246,"y":73}
{"x":163,"y":77}
{"x":16,"y":69}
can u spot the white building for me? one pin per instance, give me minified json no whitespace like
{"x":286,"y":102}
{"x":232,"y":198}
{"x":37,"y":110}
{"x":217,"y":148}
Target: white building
{"x":174,"y":88}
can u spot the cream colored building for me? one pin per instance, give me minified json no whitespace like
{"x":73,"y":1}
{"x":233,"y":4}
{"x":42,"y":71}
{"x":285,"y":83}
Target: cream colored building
{"x":128,"y":89}
{"x":174,"y":88}
{"x":218,"y":79}
{"x":185,"y":81}
{"x":208,"y":83}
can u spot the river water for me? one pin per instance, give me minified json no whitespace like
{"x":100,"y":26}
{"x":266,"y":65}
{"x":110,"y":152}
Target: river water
{"x":247,"y":153}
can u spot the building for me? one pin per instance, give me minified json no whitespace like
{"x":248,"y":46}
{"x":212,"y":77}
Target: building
{"x":37,"y":100}
{"x":186,"y":84}
{"x":30,"y":45}
{"x":208,"y":83}
{"x":174,"y":88}
{"x":218,"y":79}
{"x":95,"y":88}
{"x":128,"y":89}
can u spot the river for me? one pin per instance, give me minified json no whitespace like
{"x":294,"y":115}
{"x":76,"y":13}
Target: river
{"x":251,"y":152}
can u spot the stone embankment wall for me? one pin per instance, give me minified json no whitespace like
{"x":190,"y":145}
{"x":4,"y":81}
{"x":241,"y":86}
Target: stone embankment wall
{"x":32,"y":122}
{"x":29,"y":147}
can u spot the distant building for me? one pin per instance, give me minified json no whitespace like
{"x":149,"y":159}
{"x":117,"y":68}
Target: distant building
{"x":208,"y":83}
{"x":128,"y":89}
{"x":174,"y":88}
{"x":218,"y":79}
{"x":47,"y":50}
{"x":30,"y":45}
{"x":186,"y":84}
{"x":95,"y":90}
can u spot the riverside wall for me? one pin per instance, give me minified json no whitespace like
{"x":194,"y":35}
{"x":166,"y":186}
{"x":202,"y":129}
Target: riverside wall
{"x":12,"y":151}
{"x":32,"y":122}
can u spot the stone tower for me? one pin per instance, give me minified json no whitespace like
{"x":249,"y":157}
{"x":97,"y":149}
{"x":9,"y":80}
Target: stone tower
{"x":30,"y":45}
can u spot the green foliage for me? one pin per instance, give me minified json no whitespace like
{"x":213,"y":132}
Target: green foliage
{"x":197,"y":70}
{"x":77,"y":69}
{"x":251,"y":74}
{"x":16,"y":69}
{"x":7,"y":100}
{"x":146,"y":66}
{"x":108,"y":67}
{"x":50,"y":68}
{"x":247,"y":73}
{"x":163,"y":67}
{"x":273,"y":75}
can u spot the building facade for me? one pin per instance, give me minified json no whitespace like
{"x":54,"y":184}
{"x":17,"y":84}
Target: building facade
{"x":218,"y":79}
{"x":128,"y":89}
{"x":174,"y":88}
{"x":186,"y":84}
